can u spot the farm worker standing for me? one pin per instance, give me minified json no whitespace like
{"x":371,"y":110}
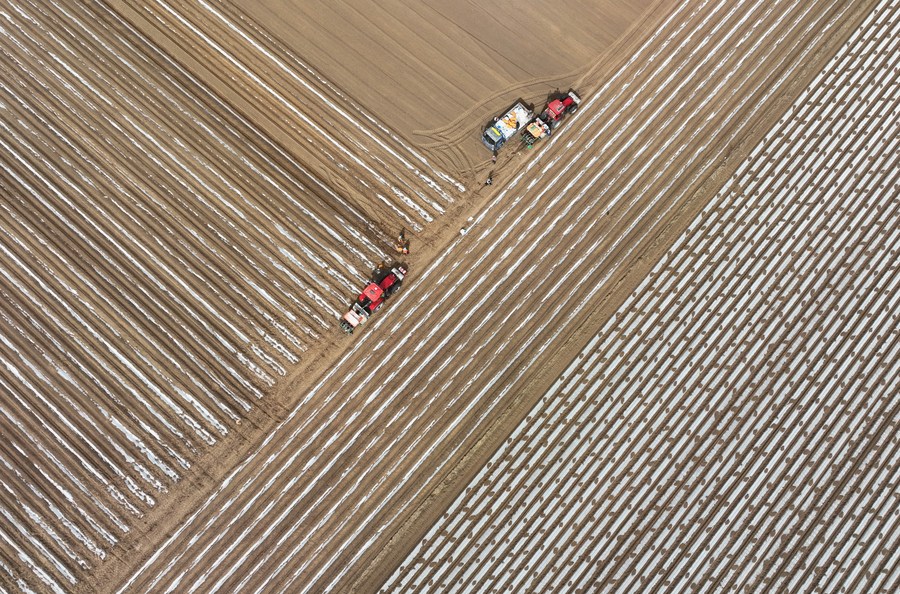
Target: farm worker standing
{"x":402,"y":244}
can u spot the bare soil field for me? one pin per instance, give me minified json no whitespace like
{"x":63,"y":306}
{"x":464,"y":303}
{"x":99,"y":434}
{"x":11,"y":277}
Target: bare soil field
{"x":437,"y":71}
{"x":193,"y":192}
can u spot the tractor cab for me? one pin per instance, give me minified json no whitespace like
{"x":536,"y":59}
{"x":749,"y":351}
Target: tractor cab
{"x":555,"y":109}
{"x":371,"y":297}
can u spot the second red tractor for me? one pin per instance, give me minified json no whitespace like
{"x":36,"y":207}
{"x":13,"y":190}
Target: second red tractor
{"x":552,"y":115}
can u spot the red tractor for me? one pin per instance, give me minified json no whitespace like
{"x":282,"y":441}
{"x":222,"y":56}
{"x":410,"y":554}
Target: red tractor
{"x":385,"y":281}
{"x":552,"y":115}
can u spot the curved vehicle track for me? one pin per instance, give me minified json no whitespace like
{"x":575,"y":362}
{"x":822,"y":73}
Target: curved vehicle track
{"x":386,"y":178}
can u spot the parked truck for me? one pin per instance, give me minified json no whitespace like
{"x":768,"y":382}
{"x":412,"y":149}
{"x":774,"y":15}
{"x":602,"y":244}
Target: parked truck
{"x":504,"y":127}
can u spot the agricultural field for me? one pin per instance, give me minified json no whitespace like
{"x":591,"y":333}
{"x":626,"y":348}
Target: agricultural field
{"x":602,"y":349}
{"x":732,"y":427}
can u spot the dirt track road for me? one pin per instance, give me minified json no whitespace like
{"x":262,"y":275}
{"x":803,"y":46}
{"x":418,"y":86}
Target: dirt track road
{"x":145,"y":311}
